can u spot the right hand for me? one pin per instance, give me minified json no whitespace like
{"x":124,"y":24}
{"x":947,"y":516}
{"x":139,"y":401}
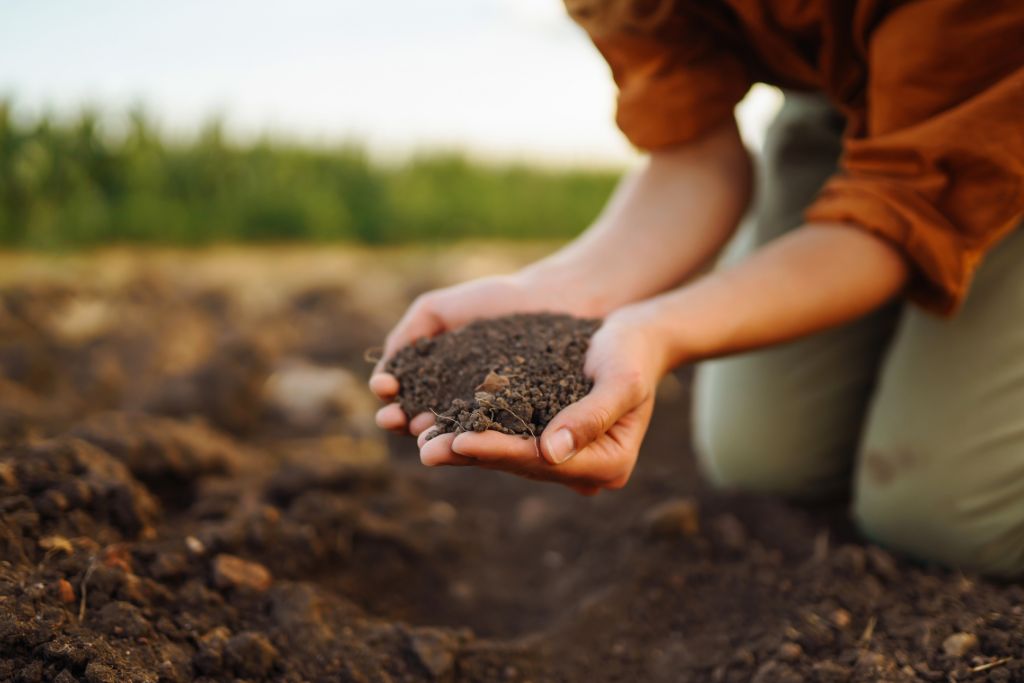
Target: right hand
{"x":591,"y":444}
{"x":446,"y":309}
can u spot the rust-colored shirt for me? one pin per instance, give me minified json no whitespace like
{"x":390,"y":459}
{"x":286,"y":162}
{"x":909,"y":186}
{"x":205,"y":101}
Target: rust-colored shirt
{"x":933,"y":93}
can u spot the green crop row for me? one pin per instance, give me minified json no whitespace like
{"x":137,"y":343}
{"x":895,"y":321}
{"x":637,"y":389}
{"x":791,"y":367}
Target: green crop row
{"x":70,"y":183}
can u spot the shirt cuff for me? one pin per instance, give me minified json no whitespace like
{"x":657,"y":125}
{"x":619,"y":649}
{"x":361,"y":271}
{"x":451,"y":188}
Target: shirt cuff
{"x":668,"y":99}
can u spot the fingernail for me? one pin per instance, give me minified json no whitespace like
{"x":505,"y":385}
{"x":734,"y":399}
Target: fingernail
{"x":424,"y":435}
{"x":561,"y":446}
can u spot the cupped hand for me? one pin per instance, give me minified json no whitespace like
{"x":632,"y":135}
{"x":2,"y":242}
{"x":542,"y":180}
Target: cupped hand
{"x":452,"y":307}
{"x":591,"y":444}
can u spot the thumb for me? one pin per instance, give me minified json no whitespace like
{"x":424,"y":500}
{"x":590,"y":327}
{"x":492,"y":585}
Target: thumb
{"x":580,"y":424}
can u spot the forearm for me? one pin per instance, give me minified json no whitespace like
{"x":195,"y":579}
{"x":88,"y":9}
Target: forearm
{"x":812,"y":279}
{"x":663,"y":224}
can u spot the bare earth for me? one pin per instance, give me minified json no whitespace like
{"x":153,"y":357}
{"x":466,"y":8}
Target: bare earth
{"x":191,"y":488}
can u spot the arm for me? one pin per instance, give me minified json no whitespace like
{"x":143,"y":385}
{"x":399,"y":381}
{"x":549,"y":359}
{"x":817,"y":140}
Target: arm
{"x":816,"y":277}
{"x":672,"y":216}
{"x":663,"y":224}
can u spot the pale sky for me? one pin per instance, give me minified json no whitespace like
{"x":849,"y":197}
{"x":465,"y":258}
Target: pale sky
{"x":499,"y":78}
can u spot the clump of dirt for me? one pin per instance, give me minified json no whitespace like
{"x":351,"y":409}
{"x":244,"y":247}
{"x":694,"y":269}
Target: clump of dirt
{"x":227,"y":389}
{"x":510,"y":374}
{"x":98,"y":583}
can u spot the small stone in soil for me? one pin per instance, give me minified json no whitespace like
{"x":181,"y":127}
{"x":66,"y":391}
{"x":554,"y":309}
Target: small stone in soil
{"x":65,"y":591}
{"x":790,"y":652}
{"x":230,"y":571}
{"x":960,"y":644}
{"x":117,"y":556}
{"x":841,"y":618}
{"x":7,"y":475}
{"x":673,"y":518}
{"x":56,"y":544}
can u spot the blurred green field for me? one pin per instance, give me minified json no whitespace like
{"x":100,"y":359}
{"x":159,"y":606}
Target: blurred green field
{"x":68,"y":184}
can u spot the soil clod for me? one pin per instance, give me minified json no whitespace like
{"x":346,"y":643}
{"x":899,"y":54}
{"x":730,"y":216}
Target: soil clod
{"x":250,"y":655}
{"x":511,"y":374}
{"x":676,"y":517}
{"x":234,"y":572}
{"x":960,"y":644}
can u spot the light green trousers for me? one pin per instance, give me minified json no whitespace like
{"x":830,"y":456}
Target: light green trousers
{"x":925,"y":415}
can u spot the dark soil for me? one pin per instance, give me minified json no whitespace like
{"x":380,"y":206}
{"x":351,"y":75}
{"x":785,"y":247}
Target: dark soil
{"x":148,"y":532}
{"x":511,"y":374}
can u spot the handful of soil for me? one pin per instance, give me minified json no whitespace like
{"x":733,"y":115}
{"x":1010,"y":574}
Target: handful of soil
{"x":511,"y":374}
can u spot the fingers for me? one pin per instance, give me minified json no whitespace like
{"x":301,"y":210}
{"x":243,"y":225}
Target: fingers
{"x":491,"y":445}
{"x":384,"y":385}
{"x":391,"y":417}
{"x":583,"y":422}
{"x":438,"y":451}
{"x":489,"y":449}
{"x":494,"y":450}
{"x":604,"y":464}
{"x":421,"y":423}
{"x":423,"y":436}
{"x":418,"y":321}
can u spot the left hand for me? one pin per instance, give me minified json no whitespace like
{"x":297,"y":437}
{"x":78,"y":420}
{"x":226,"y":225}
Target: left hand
{"x":591,"y":444}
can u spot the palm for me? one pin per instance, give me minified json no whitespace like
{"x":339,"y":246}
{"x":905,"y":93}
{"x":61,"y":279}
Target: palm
{"x":448,"y":309}
{"x":605,"y":462}
{"x":603,"y":430}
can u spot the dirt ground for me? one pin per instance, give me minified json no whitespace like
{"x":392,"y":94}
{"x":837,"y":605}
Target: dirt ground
{"x":191,"y":488}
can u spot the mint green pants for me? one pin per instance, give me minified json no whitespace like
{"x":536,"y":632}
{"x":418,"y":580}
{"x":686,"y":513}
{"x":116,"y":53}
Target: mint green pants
{"x":924,"y":415}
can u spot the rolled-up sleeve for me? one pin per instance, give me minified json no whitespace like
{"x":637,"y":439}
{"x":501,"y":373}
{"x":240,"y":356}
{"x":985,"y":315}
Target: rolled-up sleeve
{"x":938,"y":168}
{"x":676,"y":82}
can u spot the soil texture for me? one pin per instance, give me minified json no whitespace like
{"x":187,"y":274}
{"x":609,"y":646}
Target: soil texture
{"x":511,"y":374}
{"x":156,"y":528}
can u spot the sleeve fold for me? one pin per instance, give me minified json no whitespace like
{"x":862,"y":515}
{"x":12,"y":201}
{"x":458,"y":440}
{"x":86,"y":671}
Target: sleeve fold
{"x":939,"y":168}
{"x":676,"y":81}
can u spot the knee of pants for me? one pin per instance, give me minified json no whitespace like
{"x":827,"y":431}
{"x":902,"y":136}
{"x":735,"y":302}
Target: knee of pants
{"x":933,"y":514}
{"x":754,"y":453}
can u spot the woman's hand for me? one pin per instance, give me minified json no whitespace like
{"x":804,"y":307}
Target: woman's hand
{"x":591,"y":444}
{"x":664,"y":222}
{"x":532,"y":290}
{"x":811,"y":279}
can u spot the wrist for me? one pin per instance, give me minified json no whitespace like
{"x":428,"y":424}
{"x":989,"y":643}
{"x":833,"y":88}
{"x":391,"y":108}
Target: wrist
{"x":567,"y":285}
{"x":648,"y":323}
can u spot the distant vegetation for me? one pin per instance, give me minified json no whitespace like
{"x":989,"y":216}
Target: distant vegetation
{"x":67,"y":184}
